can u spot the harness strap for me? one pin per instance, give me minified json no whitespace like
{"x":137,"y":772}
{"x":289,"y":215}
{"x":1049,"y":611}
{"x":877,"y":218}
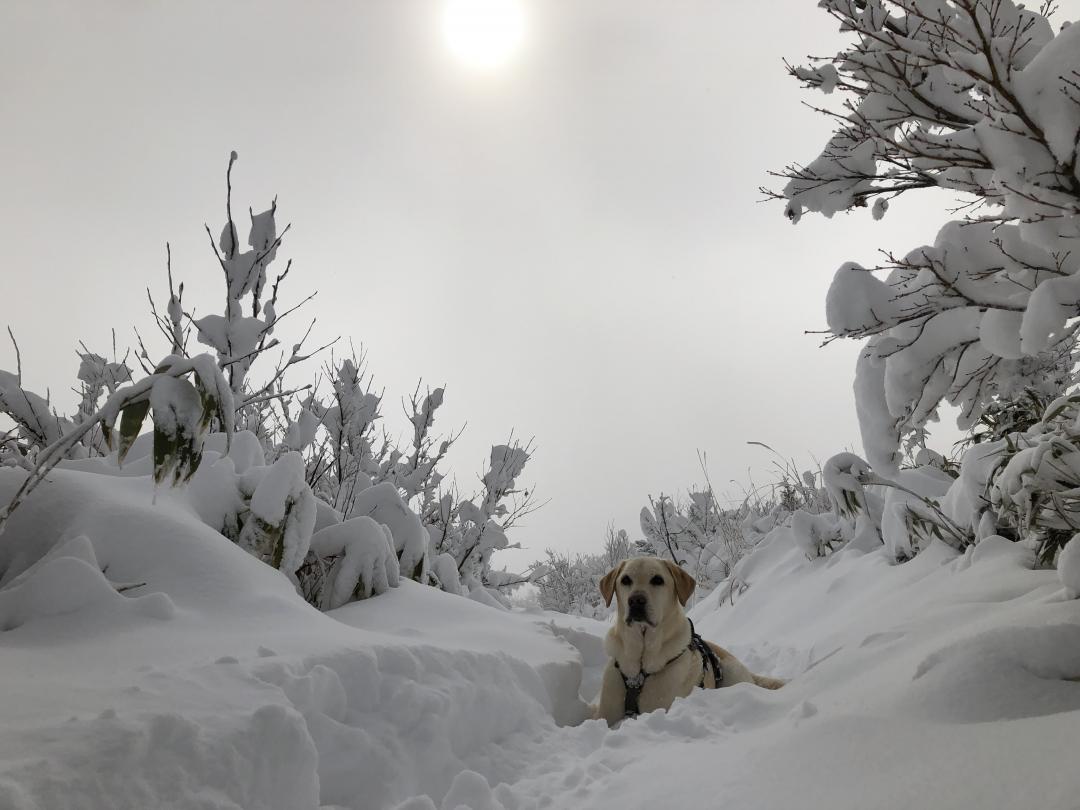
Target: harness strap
{"x":633,"y":687}
{"x":635,"y":684}
{"x":708,"y":657}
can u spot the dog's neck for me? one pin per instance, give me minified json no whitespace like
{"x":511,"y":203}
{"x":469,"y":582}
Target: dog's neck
{"x":639,"y":647}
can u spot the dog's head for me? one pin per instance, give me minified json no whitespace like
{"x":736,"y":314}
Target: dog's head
{"x":646,"y":589}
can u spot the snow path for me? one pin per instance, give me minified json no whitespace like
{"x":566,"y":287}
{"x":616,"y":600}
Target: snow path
{"x":948,"y":682}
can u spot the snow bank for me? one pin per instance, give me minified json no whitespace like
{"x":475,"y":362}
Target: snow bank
{"x":420,"y":613}
{"x":69,"y":580}
{"x":150,"y":662}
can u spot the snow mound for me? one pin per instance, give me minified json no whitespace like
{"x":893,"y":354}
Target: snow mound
{"x":1069,"y":568}
{"x":1002,"y":674}
{"x":69,"y":580}
{"x":247,"y":697}
{"x":533,"y":647}
{"x":119,"y":760}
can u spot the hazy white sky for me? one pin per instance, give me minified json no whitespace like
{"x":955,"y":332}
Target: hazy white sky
{"x":571,"y":243}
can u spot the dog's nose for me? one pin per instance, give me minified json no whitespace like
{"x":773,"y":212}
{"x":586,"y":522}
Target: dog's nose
{"x":636,"y":601}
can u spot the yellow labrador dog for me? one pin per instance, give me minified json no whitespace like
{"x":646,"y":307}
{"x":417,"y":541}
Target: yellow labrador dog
{"x":655,"y":654}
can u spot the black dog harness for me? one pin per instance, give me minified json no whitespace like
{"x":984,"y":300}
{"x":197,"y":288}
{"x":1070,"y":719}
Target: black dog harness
{"x":635,"y":684}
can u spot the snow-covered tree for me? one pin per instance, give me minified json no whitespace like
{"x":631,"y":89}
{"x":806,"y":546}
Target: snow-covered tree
{"x":37,"y":424}
{"x":98,"y":376}
{"x":342,"y":459}
{"x":980,"y":98}
{"x":469,"y":531}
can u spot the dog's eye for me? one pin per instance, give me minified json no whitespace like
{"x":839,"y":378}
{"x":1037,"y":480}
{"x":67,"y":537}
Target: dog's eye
{"x":626,"y":580}
{"x":657,"y":580}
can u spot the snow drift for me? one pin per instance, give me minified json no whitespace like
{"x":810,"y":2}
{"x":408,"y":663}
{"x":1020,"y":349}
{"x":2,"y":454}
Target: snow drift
{"x":150,"y":662}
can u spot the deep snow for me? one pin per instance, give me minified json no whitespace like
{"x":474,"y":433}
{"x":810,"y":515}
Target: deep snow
{"x":207,"y":683}
{"x":213,"y":685}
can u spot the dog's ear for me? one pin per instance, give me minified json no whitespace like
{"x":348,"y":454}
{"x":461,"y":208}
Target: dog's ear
{"x":684,"y":583}
{"x":607,"y":584}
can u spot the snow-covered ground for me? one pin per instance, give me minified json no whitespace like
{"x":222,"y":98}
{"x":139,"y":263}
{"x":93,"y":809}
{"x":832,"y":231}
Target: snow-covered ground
{"x":213,"y":685}
{"x":945,"y":682}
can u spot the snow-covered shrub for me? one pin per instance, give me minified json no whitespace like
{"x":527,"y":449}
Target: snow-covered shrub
{"x":1032,"y":481}
{"x":281,"y":513}
{"x":304,"y":459}
{"x":1009,"y":416}
{"x":841,"y":512}
{"x":444,"y":574}
{"x":816,"y":535}
{"x":351,"y":560}
{"x":572,"y":584}
{"x":704,"y":537}
{"x":911,"y":513}
{"x":708,"y":539}
{"x":471,"y":530}
{"x":383,"y":503}
{"x":338,"y":435}
{"x":351,"y":465}
{"x":36,"y":422}
{"x":697,"y":534}
{"x":238,"y":339}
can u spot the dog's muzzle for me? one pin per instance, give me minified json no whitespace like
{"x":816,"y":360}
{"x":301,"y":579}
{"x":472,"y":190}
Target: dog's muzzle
{"x":637,"y":608}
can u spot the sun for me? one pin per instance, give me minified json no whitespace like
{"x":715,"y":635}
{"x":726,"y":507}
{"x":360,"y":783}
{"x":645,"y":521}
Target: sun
{"x":483,"y":33}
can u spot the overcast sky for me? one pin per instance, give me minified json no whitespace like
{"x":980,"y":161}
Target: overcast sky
{"x":571,"y":242}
